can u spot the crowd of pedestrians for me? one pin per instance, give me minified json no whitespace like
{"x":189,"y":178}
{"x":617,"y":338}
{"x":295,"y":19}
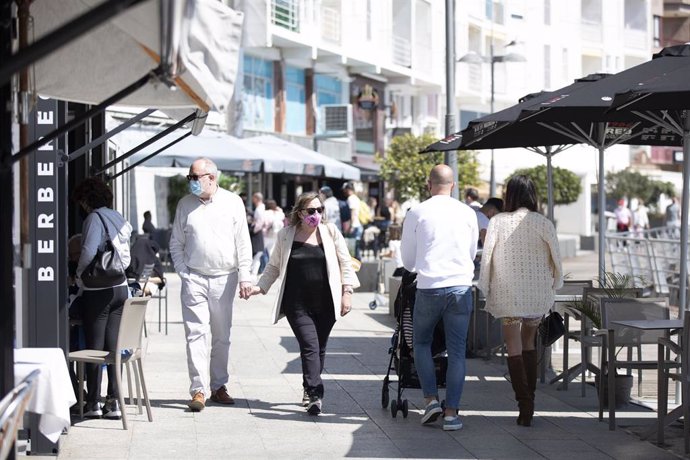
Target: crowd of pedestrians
{"x":220,"y":246}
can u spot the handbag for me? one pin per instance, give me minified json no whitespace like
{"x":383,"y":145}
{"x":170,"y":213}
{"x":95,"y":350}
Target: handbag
{"x":551,"y":328}
{"x":105,"y":270}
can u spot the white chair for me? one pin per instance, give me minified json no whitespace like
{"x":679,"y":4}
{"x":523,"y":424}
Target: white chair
{"x":12,"y":408}
{"x":129,"y":338}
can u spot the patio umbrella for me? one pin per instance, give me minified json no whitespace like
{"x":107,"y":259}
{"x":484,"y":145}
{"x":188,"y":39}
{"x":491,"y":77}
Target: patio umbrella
{"x":584,"y":116}
{"x":665,"y":100}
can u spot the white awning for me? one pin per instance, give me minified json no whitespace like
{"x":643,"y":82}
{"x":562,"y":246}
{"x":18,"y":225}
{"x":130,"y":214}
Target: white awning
{"x":112,"y":56}
{"x":264,"y":145}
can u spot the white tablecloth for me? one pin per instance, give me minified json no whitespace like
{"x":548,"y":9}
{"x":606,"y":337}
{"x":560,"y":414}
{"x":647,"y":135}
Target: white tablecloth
{"x":54,"y":394}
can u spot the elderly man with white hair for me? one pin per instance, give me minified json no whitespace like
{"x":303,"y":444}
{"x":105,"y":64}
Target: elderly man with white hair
{"x":211,"y":251}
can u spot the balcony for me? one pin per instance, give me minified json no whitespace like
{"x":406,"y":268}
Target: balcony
{"x":330,"y":25}
{"x":286,"y":14}
{"x":677,"y":9}
{"x":402,"y":51}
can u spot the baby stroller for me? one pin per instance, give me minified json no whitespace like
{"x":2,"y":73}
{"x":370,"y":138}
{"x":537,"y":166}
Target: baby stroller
{"x":402,"y":359}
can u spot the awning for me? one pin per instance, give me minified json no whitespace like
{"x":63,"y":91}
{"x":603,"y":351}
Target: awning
{"x":113,"y":55}
{"x":265,"y":145}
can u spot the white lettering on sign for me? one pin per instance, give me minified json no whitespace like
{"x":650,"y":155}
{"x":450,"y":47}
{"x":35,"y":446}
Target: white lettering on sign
{"x":45,"y":246}
{"x":45,"y":195}
{"x":47,"y":147}
{"x":46,"y":274}
{"x":44,"y":169}
{"x":45,"y":220}
{"x":44,"y":118}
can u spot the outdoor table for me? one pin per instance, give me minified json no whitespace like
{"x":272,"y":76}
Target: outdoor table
{"x":652,"y":325}
{"x":54,"y":394}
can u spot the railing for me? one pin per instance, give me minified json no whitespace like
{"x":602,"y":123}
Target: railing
{"x":330,"y":25}
{"x":651,"y":257}
{"x":402,"y":48}
{"x":286,"y":14}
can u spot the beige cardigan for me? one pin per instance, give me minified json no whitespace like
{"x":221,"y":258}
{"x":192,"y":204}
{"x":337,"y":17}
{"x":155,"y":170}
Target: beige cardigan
{"x":338,"y":264}
{"x":521,"y":265}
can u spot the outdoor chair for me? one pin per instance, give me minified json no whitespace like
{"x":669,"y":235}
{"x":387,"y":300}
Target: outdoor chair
{"x":588,"y":338}
{"x":574,"y":288}
{"x":12,"y":408}
{"x":129,"y":338}
{"x":614,"y":335}
{"x":680,"y":350}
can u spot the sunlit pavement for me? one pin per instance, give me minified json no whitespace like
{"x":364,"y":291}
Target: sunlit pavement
{"x":268,"y":421}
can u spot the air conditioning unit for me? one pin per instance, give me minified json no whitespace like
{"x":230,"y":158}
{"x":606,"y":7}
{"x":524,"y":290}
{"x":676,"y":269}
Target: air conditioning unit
{"x":335,"y":119}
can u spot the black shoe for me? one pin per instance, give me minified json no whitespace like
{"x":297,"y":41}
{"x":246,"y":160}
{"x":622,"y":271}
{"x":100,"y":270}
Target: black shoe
{"x":314,"y":406}
{"x":111,"y":410}
{"x":93,"y":410}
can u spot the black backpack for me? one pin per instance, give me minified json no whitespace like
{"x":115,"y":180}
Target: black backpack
{"x":345,"y":214}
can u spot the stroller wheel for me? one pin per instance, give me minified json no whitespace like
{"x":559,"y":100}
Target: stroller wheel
{"x":384,"y":395}
{"x":372,"y":305}
{"x":404,"y":408}
{"x":394,"y":408}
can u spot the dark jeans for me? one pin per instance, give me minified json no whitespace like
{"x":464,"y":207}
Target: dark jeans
{"x":101,"y":317}
{"x":312,"y":330}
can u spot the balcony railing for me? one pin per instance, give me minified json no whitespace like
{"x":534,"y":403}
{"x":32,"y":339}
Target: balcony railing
{"x":402,"y":51}
{"x":330,"y":25}
{"x":286,"y":14}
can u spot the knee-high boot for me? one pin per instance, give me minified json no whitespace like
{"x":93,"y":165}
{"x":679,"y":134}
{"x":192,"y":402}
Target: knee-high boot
{"x":529,"y":359}
{"x":518,"y":379}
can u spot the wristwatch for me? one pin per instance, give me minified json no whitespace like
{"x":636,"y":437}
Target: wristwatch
{"x":348,"y":290}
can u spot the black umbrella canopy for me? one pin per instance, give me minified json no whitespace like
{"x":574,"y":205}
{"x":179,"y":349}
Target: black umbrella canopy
{"x":591,"y":103}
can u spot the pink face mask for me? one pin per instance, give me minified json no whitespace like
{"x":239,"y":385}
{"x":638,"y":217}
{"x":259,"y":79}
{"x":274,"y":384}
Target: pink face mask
{"x":312,"y":220}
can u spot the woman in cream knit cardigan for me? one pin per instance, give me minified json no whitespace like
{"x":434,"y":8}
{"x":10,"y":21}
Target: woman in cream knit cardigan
{"x":520,"y":271}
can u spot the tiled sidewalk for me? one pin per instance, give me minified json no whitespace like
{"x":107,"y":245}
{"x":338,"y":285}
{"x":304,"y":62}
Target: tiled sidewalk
{"x":267,"y":421}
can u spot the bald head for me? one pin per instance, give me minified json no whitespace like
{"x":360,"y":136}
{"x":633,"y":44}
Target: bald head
{"x":441,"y":180}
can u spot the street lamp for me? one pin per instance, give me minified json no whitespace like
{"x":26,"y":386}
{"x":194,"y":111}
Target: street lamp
{"x":474,"y":58}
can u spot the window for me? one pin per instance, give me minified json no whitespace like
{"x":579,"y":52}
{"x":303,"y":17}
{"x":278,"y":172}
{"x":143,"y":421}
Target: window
{"x":547,"y":12}
{"x":564,"y":58}
{"x":257,"y":97}
{"x":547,"y":66}
{"x":591,"y":11}
{"x":369,"y":20}
{"x":656,"y":32}
{"x":295,"y":106}
{"x":329,"y":90}
{"x":635,"y":15}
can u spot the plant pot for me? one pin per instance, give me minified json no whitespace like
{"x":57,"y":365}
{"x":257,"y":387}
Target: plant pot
{"x":624,"y":384}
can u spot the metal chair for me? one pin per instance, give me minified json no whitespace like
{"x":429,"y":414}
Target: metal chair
{"x":615,"y":335}
{"x":12,"y":408}
{"x":129,"y":338}
{"x":589,"y":339}
{"x":664,"y":374}
{"x":576,"y":289}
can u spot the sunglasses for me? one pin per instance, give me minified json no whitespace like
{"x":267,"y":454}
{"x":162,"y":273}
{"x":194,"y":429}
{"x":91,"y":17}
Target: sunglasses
{"x":196,"y":176}
{"x":311,"y":211}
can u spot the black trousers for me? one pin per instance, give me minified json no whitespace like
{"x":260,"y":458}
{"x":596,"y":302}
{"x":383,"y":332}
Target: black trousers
{"x":101,"y":315}
{"x":312,"y":328}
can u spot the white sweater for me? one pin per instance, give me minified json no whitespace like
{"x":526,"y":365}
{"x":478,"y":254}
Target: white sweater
{"x":521,"y":265}
{"x":439,"y":242}
{"x":211,"y":238}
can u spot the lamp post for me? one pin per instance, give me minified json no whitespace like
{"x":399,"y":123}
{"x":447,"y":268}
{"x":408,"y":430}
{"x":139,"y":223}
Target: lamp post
{"x":475,"y":58}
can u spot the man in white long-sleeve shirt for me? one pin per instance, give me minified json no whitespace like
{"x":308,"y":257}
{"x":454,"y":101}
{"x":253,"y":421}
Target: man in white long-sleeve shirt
{"x":211,"y":251}
{"x":439,"y":243}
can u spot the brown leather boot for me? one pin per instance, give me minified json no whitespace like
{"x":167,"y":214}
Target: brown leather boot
{"x":518,"y":379}
{"x":529,"y":359}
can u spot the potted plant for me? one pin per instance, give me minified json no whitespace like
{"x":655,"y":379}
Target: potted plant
{"x":614,"y":286}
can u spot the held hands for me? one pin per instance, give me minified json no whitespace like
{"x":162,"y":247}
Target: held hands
{"x":245,"y":289}
{"x":252,"y":290}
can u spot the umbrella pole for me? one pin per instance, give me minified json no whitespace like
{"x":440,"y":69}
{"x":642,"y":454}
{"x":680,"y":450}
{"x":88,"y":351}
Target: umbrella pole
{"x":685,"y":205}
{"x":602,"y":215}
{"x":549,"y":184}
